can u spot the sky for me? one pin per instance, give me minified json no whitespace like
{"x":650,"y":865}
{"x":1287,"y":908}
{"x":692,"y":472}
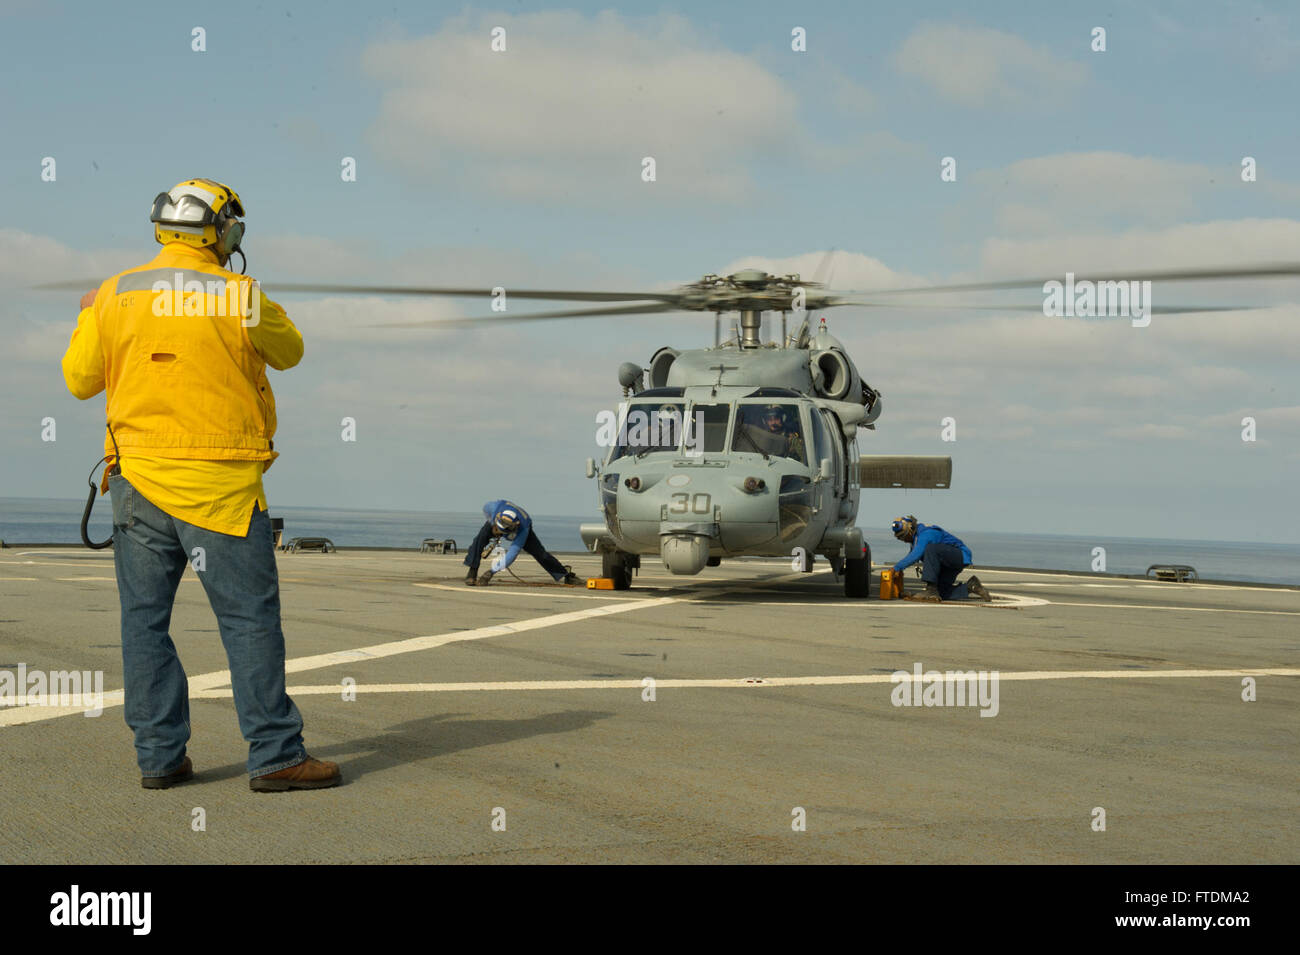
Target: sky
{"x":523,"y":167}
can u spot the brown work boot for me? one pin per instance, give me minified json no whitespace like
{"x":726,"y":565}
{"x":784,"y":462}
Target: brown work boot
{"x":309,"y":774}
{"x":973,"y":586}
{"x":929,"y":595}
{"x":182,"y":773}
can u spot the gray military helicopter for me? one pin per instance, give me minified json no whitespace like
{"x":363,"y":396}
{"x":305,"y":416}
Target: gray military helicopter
{"x":747,"y":448}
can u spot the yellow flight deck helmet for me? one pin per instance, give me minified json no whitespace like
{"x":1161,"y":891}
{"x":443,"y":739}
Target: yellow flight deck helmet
{"x":199,"y":212}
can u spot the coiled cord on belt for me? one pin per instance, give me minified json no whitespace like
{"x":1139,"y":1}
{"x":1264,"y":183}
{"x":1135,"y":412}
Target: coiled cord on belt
{"x":90,"y":499}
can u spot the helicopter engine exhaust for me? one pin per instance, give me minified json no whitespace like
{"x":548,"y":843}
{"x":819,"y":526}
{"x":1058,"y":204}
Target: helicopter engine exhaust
{"x":660,"y":364}
{"x":684,"y":554}
{"x":836,"y":374}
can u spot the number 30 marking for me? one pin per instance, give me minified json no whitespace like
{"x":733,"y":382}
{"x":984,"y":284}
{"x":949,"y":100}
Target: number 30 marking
{"x":697,"y":503}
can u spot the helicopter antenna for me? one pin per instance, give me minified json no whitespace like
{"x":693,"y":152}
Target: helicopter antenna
{"x":717,"y":329}
{"x":721,"y":368}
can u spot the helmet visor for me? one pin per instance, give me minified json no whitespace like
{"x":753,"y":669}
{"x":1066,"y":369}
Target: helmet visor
{"x":170,"y":208}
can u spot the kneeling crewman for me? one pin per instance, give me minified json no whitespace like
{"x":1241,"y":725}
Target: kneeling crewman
{"x":513,"y":523}
{"x":942,"y":556}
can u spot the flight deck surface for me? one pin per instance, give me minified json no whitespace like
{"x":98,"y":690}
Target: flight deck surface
{"x":745,"y":715}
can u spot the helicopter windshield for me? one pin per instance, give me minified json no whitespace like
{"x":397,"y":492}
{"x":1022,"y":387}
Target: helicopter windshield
{"x":706,"y":430}
{"x":649,"y":427}
{"x":770,"y":429}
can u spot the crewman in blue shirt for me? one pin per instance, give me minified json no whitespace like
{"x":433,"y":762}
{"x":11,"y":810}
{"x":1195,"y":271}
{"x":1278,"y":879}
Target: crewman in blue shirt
{"x":942,"y":557}
{"x":513,"y":523}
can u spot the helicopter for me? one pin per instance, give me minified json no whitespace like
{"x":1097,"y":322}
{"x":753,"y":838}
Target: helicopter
{"x":749,"y":448}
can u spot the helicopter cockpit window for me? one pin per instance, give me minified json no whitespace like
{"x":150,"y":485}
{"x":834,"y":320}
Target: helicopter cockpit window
{"x":650,"y":427}
{"x":821,"y":443}
{"x":706,"y":429}
{"x":771,"y":429}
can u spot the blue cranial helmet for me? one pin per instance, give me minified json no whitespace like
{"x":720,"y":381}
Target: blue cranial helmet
{"x":904,"y":528}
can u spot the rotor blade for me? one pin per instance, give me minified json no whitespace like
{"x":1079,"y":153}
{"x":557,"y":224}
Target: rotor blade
{"x":70,"y":285}
{"x":558,"y":295}
{"x":647,"y":308}
{"x":825,"y":269}
{"x":1275,"y":270}
{"x":938,"y":307}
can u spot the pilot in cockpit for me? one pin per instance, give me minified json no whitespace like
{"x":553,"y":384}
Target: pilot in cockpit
{"x":770,"y":429}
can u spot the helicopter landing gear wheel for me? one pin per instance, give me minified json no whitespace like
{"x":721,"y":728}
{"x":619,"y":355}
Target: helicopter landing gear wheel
{"x":857,"y":575}
{"x":617,"y":567}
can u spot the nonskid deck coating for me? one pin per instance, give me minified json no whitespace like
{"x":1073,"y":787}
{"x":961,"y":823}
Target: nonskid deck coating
{"x":688,"y":719}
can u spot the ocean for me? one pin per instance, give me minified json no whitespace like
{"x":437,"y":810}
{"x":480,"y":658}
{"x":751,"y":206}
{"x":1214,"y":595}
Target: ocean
{"x":44,"y":521}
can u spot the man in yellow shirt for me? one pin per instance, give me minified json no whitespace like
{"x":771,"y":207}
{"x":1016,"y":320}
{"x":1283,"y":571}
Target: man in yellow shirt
{"x":181,"y":346}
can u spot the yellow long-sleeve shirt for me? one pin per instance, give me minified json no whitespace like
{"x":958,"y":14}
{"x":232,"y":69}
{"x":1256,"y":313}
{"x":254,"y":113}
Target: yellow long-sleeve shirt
{"x":217,"y":495}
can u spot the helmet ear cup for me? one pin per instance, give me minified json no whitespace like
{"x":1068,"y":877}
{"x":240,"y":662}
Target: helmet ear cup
{"x":229,"y":235}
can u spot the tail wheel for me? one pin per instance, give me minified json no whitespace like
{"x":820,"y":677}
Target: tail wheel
{"x":615,"y":566}
{"x":857,"y":574}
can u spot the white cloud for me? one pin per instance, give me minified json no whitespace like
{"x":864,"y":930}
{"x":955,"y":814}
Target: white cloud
{"x":573,"y":105}
{"x":1268,"y":334}
{"x":1105,"y":190}
{"x":1152,"y":432}
{"x":1192,"y":245}
{"x":27,"y":259}
{"x":1052,"y":193}
{"x":353,"y":319}
{"x":1287,"y":417}
{"x":975,"y":66}
{"x":847,"y":270}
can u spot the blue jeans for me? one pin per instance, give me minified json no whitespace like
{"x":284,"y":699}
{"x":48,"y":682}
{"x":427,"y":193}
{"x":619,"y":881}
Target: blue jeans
{"x":150,"y":551}
{"x":940,"y":565}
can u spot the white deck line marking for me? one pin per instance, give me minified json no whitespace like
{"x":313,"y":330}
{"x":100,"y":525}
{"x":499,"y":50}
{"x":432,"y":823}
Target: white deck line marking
{"x":1001,"y":602}
{"x":207,"y":681}
{"x":415,"y":644}
{"x":12,"y":716}
{"x":33,"y":714}
{"x":547,"y":593}
{"x":1136,"y":581}
{"x":1281,"y":613}
{"x":758,"y":682}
